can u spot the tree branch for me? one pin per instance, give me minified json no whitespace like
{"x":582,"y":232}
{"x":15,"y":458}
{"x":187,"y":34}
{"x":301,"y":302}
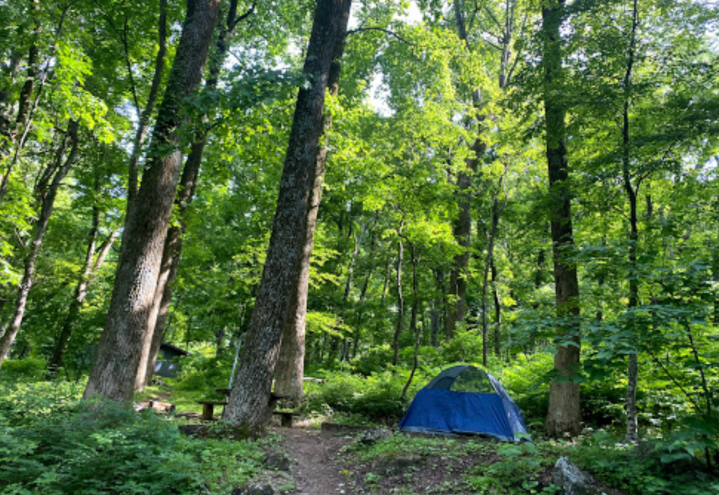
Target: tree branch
{"x":386,"y":31}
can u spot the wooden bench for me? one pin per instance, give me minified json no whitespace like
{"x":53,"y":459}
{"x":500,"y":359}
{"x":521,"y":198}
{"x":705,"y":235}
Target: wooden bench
{"x":208,"y":408}
{"x":286,"y":418}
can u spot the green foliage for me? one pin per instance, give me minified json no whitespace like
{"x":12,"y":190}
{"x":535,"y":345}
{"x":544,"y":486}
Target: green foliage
{"x":655,"y":468}
{"x":377,"y":397}
{"x":517,"y":471}
{"x":105,"y":448}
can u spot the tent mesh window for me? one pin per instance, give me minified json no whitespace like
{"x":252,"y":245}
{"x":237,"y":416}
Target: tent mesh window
{"x":474,"y":381}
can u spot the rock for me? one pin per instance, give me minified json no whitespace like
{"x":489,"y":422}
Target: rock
{"x":278,"y":461}
{"x":395,"y":465}
{"x":573,"y":480}
{"x":373,"y":436}
{"x":256,"y":489}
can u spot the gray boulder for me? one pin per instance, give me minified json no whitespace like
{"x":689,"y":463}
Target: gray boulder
{"x":373,"y":436}
{"x":256,"y":489}
{"x":395,"y":465}
{"x":573,"y":480}
{"x":278,"y":461}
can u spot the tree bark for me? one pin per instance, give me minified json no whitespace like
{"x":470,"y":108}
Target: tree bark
{"x":173,"y":242}
{"x":290,"y":243}
{"x":400,"y":298}
{"x":413,"y":320}
{"x":145,"y":114}
{"x":457,"y":308}
{"x":497,"y":310}
{"x":485,"y":278}
{"x":632,"y":433}
{"x":117,"y":360}
{"x":289,"y":372}
{"x":564,"y":415}
{"x":47,"y":190}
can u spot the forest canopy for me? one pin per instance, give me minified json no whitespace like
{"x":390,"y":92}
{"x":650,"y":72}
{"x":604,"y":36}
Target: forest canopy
{"x":367,"y":192}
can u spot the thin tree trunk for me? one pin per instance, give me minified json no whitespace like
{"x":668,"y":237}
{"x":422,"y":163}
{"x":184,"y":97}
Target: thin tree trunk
{"x":564,"y":415}
{"x":48,"y":192}
{"x":632,"y":434}
{"x":400,"y":298}
{"x":83,"y":286}
{"x":58,"y":352}
{"x":290,"y":243}
{"x":117,"y":360}
{"x":413,"y":319}
{"x":485,"y":278}
{"x":145,"y":114}
{"x":457,"y":308}
{"x":497,"y":310}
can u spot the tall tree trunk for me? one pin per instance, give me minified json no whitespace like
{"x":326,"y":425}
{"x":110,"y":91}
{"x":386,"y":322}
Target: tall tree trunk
{"x":118,"y":354}
{"x":289,"y":372}
{"x":58,"y":354}
{"x":632,"y":434}
{"x":48,"y":188}
{"x":400,"y":298}
{"x":290,"y":243}
{"x":145,"y":114}
{"x":413,"y":319}
{"x":564,"y":415}
{"x":173,"y":242}
{"x":497,"y":310}
{"x":491,"y":234}
{"x":80,"y":291}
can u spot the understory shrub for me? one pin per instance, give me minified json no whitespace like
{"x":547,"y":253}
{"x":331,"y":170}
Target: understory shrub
{"x":376,"y":397}
{"x":87,"y":448}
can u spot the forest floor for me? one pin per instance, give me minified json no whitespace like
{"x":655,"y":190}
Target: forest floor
{"x":315,"y":461}
{"x":329,"y":463}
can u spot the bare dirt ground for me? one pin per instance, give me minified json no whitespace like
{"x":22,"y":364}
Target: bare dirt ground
{"x":314,"y":457}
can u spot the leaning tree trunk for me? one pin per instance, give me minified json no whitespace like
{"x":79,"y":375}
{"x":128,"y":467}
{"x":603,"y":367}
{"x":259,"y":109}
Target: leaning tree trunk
{"x":291,"y":362}
{"x":173,"y":242}
{"x":48,"y":187}
{"x":145,"y":114}
{"x":564,"y":414}
{"x":90,"y":271}
{"x":290,"y":245}
{"x":118,"y":354}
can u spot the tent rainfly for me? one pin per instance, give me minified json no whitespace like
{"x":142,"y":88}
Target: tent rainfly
{"x":465,"y":400}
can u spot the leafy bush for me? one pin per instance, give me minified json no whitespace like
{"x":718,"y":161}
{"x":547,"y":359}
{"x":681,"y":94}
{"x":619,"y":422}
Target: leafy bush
{"x":93,"y":448}
{"x":27,"y":369}
{"x":376,"y":397}
{"x":649,"y":469}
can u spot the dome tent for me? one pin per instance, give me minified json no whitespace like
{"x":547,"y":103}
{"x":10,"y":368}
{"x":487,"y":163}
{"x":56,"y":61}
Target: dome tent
{"x":465,"y":400}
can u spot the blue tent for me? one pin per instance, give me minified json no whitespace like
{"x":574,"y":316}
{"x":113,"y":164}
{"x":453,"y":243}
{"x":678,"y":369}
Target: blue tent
{"x":465,"y":400}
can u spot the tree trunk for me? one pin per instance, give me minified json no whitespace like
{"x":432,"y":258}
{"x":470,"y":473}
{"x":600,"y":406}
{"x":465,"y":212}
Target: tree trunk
{"x":290,"y":243}
{"x":497,"y":310}
{"x":632,"y":434}
{"x":47,"y":191}
{"x":58,"y":352}
{"x":400,"y":299}
{"x":118,"y":354}
{"x":144,"y":115}
{"x":173,"y":243}
{"x":457,"y":308}
{"x":485,"y":278}
{"x":564,"y":416}
{"x":289,"y":371}
{"x":413,"y":320}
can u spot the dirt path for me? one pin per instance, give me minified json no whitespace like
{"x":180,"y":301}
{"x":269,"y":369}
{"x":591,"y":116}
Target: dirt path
{"x":314,"y":468}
